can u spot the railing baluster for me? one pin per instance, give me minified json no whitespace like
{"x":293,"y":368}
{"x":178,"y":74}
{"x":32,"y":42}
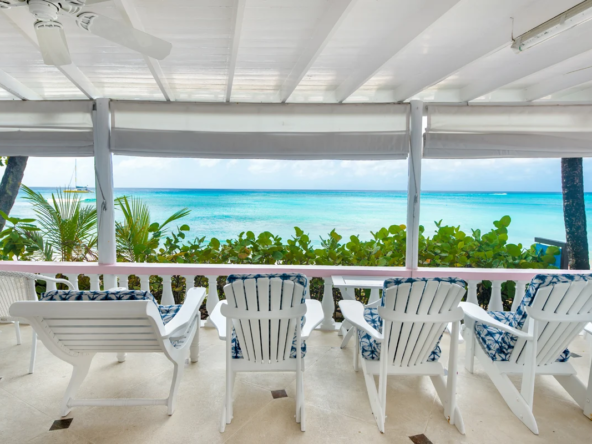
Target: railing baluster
{"x":50,"y":285}
{"x":167,"y":291}
{"x":73,"y":278}
{"x":472,"y":292}
{"x":123,"y":281}
{"x":145,"y":282}
{"x":520,"y":291}
{"x":212,"y":298}
{"x":495,"y":302}
{"x":374,"y":295}
{"x":328,"y":305}
{"x":95,"y":284}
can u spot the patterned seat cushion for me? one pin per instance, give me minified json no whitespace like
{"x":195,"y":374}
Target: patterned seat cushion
{"x":167,"y":312}
{"x":498,"y":344}
{"x":236,"y":351}
{"x":369,"y":348}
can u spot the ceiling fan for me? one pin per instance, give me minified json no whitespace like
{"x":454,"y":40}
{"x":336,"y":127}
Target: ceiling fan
{"x":52,"y":39}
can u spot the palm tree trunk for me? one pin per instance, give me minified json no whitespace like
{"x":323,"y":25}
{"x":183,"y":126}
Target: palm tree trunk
{"x":574,"y":213}
{"x":11,"y":182}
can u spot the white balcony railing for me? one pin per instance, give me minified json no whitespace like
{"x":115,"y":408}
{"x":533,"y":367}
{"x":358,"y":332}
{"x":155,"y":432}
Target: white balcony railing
{"x":122,"y":271}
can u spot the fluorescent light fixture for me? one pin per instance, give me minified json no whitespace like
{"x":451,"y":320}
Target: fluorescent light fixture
{"x":575,"y":16}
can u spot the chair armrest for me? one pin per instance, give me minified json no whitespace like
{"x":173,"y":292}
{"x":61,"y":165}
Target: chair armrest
{"x":314,"y":316}
{"x":219,"y":320}
{"x":476,"y":313}
{"x":353,"y":311}
{"x":66,"y":282}
{"x":190,"y":308}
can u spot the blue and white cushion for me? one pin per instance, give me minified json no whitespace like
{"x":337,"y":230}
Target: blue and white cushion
{"x":498,"y":344}
{"x":369,"y":348}
{"x":297,"y":278}
{"x":167,"y":312}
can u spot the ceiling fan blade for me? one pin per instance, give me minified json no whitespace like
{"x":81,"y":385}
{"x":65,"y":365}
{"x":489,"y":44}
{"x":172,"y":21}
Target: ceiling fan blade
{"x":52,"y":43}
{"x":124,"y":35}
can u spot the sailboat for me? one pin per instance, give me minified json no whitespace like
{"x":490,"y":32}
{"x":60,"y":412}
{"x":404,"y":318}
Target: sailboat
{"x":77,"y":189}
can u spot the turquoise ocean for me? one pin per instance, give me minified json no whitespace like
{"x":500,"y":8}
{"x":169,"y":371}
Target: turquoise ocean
{"x":225,"y":213}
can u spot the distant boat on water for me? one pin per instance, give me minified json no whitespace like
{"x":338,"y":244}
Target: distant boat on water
{"x":77,"y":188}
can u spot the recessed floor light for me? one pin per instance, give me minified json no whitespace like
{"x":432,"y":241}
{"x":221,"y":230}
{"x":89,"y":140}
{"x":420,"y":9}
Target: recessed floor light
{"x":420,"y":439}
{"x":279,"y":394}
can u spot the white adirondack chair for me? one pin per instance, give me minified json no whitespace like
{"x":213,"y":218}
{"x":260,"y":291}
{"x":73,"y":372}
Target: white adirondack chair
{"x":265,"y":330}
{"x":16,"y":286}
{"x":533,"y":341}
{"x":76,"y":325}
{"x":401,"y":337}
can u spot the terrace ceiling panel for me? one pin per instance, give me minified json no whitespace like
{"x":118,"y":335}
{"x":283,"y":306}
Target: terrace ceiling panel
{"x":505,"y":66}
{"x":273,"y":35}
{"x":22,"y":60}
{"x":201,"y":34}
{"x":461,"y":36}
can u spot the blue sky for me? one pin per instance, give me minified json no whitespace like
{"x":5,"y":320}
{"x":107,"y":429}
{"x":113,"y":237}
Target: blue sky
{"x":438,"y":175}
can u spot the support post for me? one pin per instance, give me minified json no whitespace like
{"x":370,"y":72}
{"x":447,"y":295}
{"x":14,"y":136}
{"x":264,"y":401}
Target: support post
{"x":104,"y":188}
{"x":495,"y":301}
{"x":212,"y":299}
{"x":328,"y":304}
{"x":414,"y":185}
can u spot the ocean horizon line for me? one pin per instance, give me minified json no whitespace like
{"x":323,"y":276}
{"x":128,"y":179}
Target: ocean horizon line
{"x":500,"y":192}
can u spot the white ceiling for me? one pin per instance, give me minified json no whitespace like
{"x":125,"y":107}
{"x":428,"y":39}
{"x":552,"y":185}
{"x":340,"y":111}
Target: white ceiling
{"x":309,"y":51}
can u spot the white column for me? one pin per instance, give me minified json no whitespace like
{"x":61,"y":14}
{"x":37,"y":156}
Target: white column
{"x":167,"y":291}
{"x":495,"y":301}
{"x":213,"y":297}
{"x":94,"y":282}
{"x":519,"y":295}
{"x":414,"y":184}
{"x":145,"y":282}
{"x":472,"y":292}
{"x":73,"y":278}
{"x":104,"y":188}
{"x":328,"y":304}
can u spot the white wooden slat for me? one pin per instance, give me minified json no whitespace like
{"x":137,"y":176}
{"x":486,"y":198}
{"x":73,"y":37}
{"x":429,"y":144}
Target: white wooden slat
{"x":415,"y":295}
{"x":104,"y":329}
{"x":263,"y":294}
{"x":425,"y":335}
{"x":238,"y":329}
{"x":549,"y":339}
{"x":253,"y":305}
{"x":275,"y":288}
{"x":241,"y":302}
{"x":114,"y":349}
{"x":582,"y":305}
{"x":429,"y":293}
{"x":52,"y":322}
{"x":115,"y":335}
{"x":287,"y":294}
{"x":540,"y":299}
{"x":452,"y":298}
{"x":397,"y":299}
{"x":295,"y":301}
{"x":112,"y":342}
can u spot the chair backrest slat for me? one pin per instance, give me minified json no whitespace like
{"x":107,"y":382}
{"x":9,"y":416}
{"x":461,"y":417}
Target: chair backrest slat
{"x":411,"y":353}
{"x":560,"y":295}
{"x":265,"y":339}
{"x":411,"y":342}
{"x":15,"y":287}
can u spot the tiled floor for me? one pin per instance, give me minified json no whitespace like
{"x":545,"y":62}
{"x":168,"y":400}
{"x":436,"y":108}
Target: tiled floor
{"x":337,"y":404}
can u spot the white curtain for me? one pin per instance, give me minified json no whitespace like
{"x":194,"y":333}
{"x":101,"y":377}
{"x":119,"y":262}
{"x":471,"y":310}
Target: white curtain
{"x":473,"y":132}
{"x":47,"y":129}
{"x":260,"y":131}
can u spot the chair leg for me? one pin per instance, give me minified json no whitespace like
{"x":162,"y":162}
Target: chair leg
{"x":302,"y":404}
{"x":79,"y":372}
{"x":511,"y":395}
{"x":347,"y":337}
{"x":377,"y":409}
{"x":470,"y":339}
{"x":33,"y":353}
{"x":451,"y":414}
{"x":121,"y":357}
{"x":194,"y":348}
{"x":356,"y":351}
{"x":17,"y":330}
{"x":578,"y":391}
{"x":177,"y":376}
